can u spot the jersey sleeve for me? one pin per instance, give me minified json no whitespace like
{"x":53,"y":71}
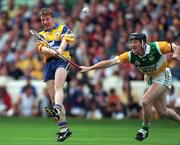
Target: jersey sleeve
{"x":67,"y":34}
{"x":123,"y":58}
{"x":164,"y":47}
{"x":40,"y":47}
{"x":40,"y":44}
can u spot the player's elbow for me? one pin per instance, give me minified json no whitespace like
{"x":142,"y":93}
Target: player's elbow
{"x":111,"y":62}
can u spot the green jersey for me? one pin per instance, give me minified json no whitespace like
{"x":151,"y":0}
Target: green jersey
{"x":153,"y":62}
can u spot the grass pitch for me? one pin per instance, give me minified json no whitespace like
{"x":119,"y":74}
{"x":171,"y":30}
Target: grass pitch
{"x":41,"y":131}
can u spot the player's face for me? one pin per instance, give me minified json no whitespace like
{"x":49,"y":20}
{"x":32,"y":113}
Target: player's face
{"x":136,"y":46}
{"x":47,"y":22}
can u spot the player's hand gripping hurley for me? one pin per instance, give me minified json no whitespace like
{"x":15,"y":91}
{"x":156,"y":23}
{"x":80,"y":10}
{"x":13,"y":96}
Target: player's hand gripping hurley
{"x":41,"y":39}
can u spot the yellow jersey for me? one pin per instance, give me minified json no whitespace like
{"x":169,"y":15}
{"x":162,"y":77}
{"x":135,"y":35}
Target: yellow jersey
{"x":54,"y":38}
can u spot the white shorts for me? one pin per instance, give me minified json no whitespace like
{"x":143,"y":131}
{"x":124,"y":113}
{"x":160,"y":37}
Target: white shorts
{"x":164,"y":78}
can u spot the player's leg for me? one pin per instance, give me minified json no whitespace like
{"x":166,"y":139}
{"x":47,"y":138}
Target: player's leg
{"x":50,"y":88}
{"x":62,"y":123}
{"x":149,"y":98}
{"x":64,"y":132}
{"x":60,"y":77}
{"x":56,"y":87}
{"x":163,"y":111}
{"x":150,"y":95}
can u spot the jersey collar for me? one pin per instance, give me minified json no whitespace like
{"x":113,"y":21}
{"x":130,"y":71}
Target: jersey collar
{"x":56,"y":25}
{"x":147,"y":49}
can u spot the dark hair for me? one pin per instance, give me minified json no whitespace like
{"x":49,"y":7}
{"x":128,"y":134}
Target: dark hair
{"x":112,"y":91}
{"x":137,"y":36}
{"x":46,"y":12}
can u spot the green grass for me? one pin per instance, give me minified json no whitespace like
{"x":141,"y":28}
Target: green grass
{"x":38,"y":131}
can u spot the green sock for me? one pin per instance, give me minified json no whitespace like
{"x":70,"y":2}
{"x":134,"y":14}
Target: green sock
{"x":145,"y":127}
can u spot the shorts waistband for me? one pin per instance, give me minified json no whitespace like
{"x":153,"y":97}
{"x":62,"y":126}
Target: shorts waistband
{"x":52,"y":58}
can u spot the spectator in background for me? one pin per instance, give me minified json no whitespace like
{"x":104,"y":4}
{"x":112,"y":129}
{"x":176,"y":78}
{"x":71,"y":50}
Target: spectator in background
{"x":43,"y":102}
{"x":11,"y":8}
{"x":26,"y":102}
{"x":77,"y":99}
{"x":114,"y":106}
{"x":6,"y":107}
{"x":29,"y":85}
{"x":31,"y":64}
{"x":107,"y":19}
{"x":126,"y":93}
{"x":134,"y":108}
{"x":14,"y":71}
{"x":93,"y":111}
{"x":131,"y":108}
{"x":100,"y":97}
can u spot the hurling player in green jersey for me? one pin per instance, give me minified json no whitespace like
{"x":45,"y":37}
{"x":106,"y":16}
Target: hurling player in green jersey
{"x":150,"y":59}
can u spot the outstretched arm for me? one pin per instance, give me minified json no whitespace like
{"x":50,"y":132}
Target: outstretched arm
{"x":102,"y":64}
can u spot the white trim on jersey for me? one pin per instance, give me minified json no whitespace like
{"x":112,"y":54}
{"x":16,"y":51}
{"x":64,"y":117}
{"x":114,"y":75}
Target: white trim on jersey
{"x":129,"y":56}
{"x":158,"y":48}
{"x":147,"y":47}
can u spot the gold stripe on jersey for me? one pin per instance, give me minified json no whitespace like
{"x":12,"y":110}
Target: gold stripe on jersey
{"x":122,"y":58}
{"x":163,"y":47}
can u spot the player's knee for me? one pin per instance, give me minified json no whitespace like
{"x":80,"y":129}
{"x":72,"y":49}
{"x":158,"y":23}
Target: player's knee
{"x":58,"y":87}
{"x":145,"y":103}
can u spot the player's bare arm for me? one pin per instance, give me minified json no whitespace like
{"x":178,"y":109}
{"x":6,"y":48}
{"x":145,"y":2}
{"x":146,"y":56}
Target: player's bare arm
{"x":102,"y":64}
{"x":62,"y":46}
{"x":45,"y":50}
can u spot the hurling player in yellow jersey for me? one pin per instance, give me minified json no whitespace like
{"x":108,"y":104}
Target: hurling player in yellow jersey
{"x":149,"y":58}
{"x":55,"y":68}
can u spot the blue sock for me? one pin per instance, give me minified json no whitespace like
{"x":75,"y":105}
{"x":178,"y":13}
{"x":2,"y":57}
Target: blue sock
{"x":63,"y":126}
{"x":58,"y":107}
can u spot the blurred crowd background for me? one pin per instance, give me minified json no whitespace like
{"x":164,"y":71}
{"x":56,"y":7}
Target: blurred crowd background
{"x":102,"y":35}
